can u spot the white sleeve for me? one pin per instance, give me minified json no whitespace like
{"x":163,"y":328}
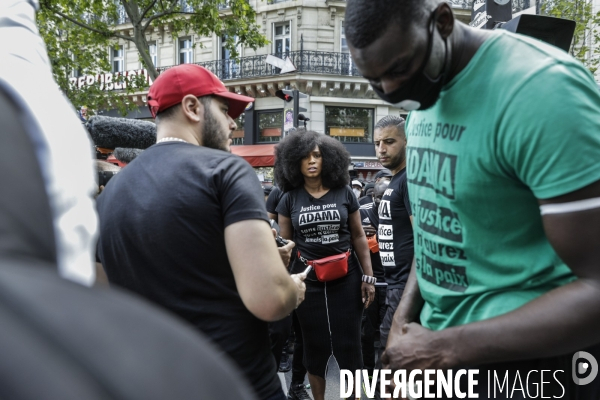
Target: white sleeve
{"x":63,"y":146}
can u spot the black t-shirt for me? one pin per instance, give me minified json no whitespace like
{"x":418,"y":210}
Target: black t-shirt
{"x":368,"y":212}
{"x":162,"y":222}
{"x":365,"y":200}
{"x":274,"y":199}
{"x":395,"y":232}
{"x":368,"y":216}
{"x":321,"y":227}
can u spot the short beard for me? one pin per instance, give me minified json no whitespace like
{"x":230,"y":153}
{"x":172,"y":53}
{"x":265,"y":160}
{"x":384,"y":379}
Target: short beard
{"x":211,"y":137}
{"x":395,"y":162}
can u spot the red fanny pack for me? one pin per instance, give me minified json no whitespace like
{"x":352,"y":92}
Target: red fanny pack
{"x":329,"y":268}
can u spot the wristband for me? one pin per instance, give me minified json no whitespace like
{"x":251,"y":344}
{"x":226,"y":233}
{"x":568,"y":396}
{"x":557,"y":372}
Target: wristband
{"x":369,"y":279}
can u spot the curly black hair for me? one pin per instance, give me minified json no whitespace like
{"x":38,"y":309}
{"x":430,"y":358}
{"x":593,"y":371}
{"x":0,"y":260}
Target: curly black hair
{"x":297,"y":145}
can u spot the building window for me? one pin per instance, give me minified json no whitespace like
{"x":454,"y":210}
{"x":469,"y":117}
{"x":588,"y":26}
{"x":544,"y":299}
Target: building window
{"x":118,"y":59}
{"x":349,"y":124}
{"x":282,"y":39}
{"x":121,"y":14}
{"x":238,"y":135}
{"x":343,"y":42}
{"x":346,"y":64}
{"x":185,"y":51}
{"x":75,"y":72}
{"x":464,"y":4}
{"x":270,"y":125}
{"x":230,"y":69}
{"x":153,"y":51}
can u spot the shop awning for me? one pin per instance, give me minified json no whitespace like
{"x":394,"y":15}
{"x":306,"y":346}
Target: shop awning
{"x":258,"y":155}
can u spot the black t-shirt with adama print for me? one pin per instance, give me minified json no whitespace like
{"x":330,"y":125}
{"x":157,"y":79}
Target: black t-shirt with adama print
{"x":321,"y":227}
{"x":395,"y":232}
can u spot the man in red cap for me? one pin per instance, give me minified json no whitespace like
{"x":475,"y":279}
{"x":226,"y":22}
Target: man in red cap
{"x":191,"y":86}
{"x":185,"y":226}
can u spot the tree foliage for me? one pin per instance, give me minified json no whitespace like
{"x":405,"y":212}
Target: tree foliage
{"x":586,"y":40}
{"x":79,"y":34}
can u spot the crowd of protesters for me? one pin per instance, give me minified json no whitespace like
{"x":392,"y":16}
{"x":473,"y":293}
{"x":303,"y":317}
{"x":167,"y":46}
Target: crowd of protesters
{"x":474,"y":249}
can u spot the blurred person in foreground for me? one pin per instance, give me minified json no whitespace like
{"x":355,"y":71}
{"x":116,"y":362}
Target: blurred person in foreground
{"x":62,"y":340}
{"x":505,"y":188}
{"x":185,"y":226}
{"x":57,"y":338}
{"x":57,"y":136}
{"x":320,"y":213}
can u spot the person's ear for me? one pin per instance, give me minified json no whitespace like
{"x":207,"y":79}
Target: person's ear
{"x":192,"y":109}
{"x":444,"y":20}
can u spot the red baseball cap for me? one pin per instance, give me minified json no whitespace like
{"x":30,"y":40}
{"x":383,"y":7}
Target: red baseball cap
{"x":174,"y":84}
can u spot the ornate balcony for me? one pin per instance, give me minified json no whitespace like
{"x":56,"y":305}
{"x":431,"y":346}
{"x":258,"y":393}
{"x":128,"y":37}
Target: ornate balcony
{"x":306,"y":61}
{"x":317,"y":72}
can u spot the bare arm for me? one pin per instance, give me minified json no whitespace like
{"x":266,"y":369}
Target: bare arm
{"x":563,"y":320}
{"x":410,"y":305}
{"x":285,"y":227}
{"x":272,"y":216}
{"x":256,"y":265}
{"x":412,"y":302}
{"x":359,"y":242}
{"x":361,"y":247}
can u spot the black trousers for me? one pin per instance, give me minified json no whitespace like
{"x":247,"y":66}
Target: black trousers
{"x":298,"y":368}
{"x":392,"y":300}
{"x":371,"y":320}
{"x":330,"y":318}
{"x":278,"y":333}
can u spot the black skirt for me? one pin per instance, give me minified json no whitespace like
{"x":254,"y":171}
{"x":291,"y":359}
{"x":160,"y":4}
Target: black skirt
{"x":330,"y":319}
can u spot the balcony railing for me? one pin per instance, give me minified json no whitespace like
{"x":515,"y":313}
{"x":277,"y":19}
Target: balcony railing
{"x":307,"y":61}
{"x":517,"y":5}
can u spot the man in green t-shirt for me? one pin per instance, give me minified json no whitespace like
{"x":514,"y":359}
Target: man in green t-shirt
{"x":503,"y":174}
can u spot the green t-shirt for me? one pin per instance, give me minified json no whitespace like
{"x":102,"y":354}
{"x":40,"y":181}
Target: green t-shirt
{"x":520,"y":122}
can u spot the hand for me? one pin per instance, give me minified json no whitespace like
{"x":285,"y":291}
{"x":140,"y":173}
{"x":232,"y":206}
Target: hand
{"x":285,"y":252}
{"x":100,"y":189}
{"x":299,"y":281}
{"x":369,"y":230}
{"x":368,"y":293}
{"x":416,"y":347}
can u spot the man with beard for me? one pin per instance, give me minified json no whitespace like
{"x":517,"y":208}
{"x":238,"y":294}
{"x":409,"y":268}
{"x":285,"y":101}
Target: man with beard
{"x":394,"y":232}
{"x":503,"y":173}
{"x":186,"y":226}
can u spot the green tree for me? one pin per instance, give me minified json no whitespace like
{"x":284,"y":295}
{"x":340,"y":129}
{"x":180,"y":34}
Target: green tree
{"x":586,"y":40}
{"x":78,"y":34}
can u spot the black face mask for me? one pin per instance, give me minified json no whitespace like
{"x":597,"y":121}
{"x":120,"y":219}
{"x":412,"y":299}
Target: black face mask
{"x":420,"y":92}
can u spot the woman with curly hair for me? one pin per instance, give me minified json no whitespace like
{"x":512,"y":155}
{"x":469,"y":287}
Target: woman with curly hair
{"x":319,"y":212}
